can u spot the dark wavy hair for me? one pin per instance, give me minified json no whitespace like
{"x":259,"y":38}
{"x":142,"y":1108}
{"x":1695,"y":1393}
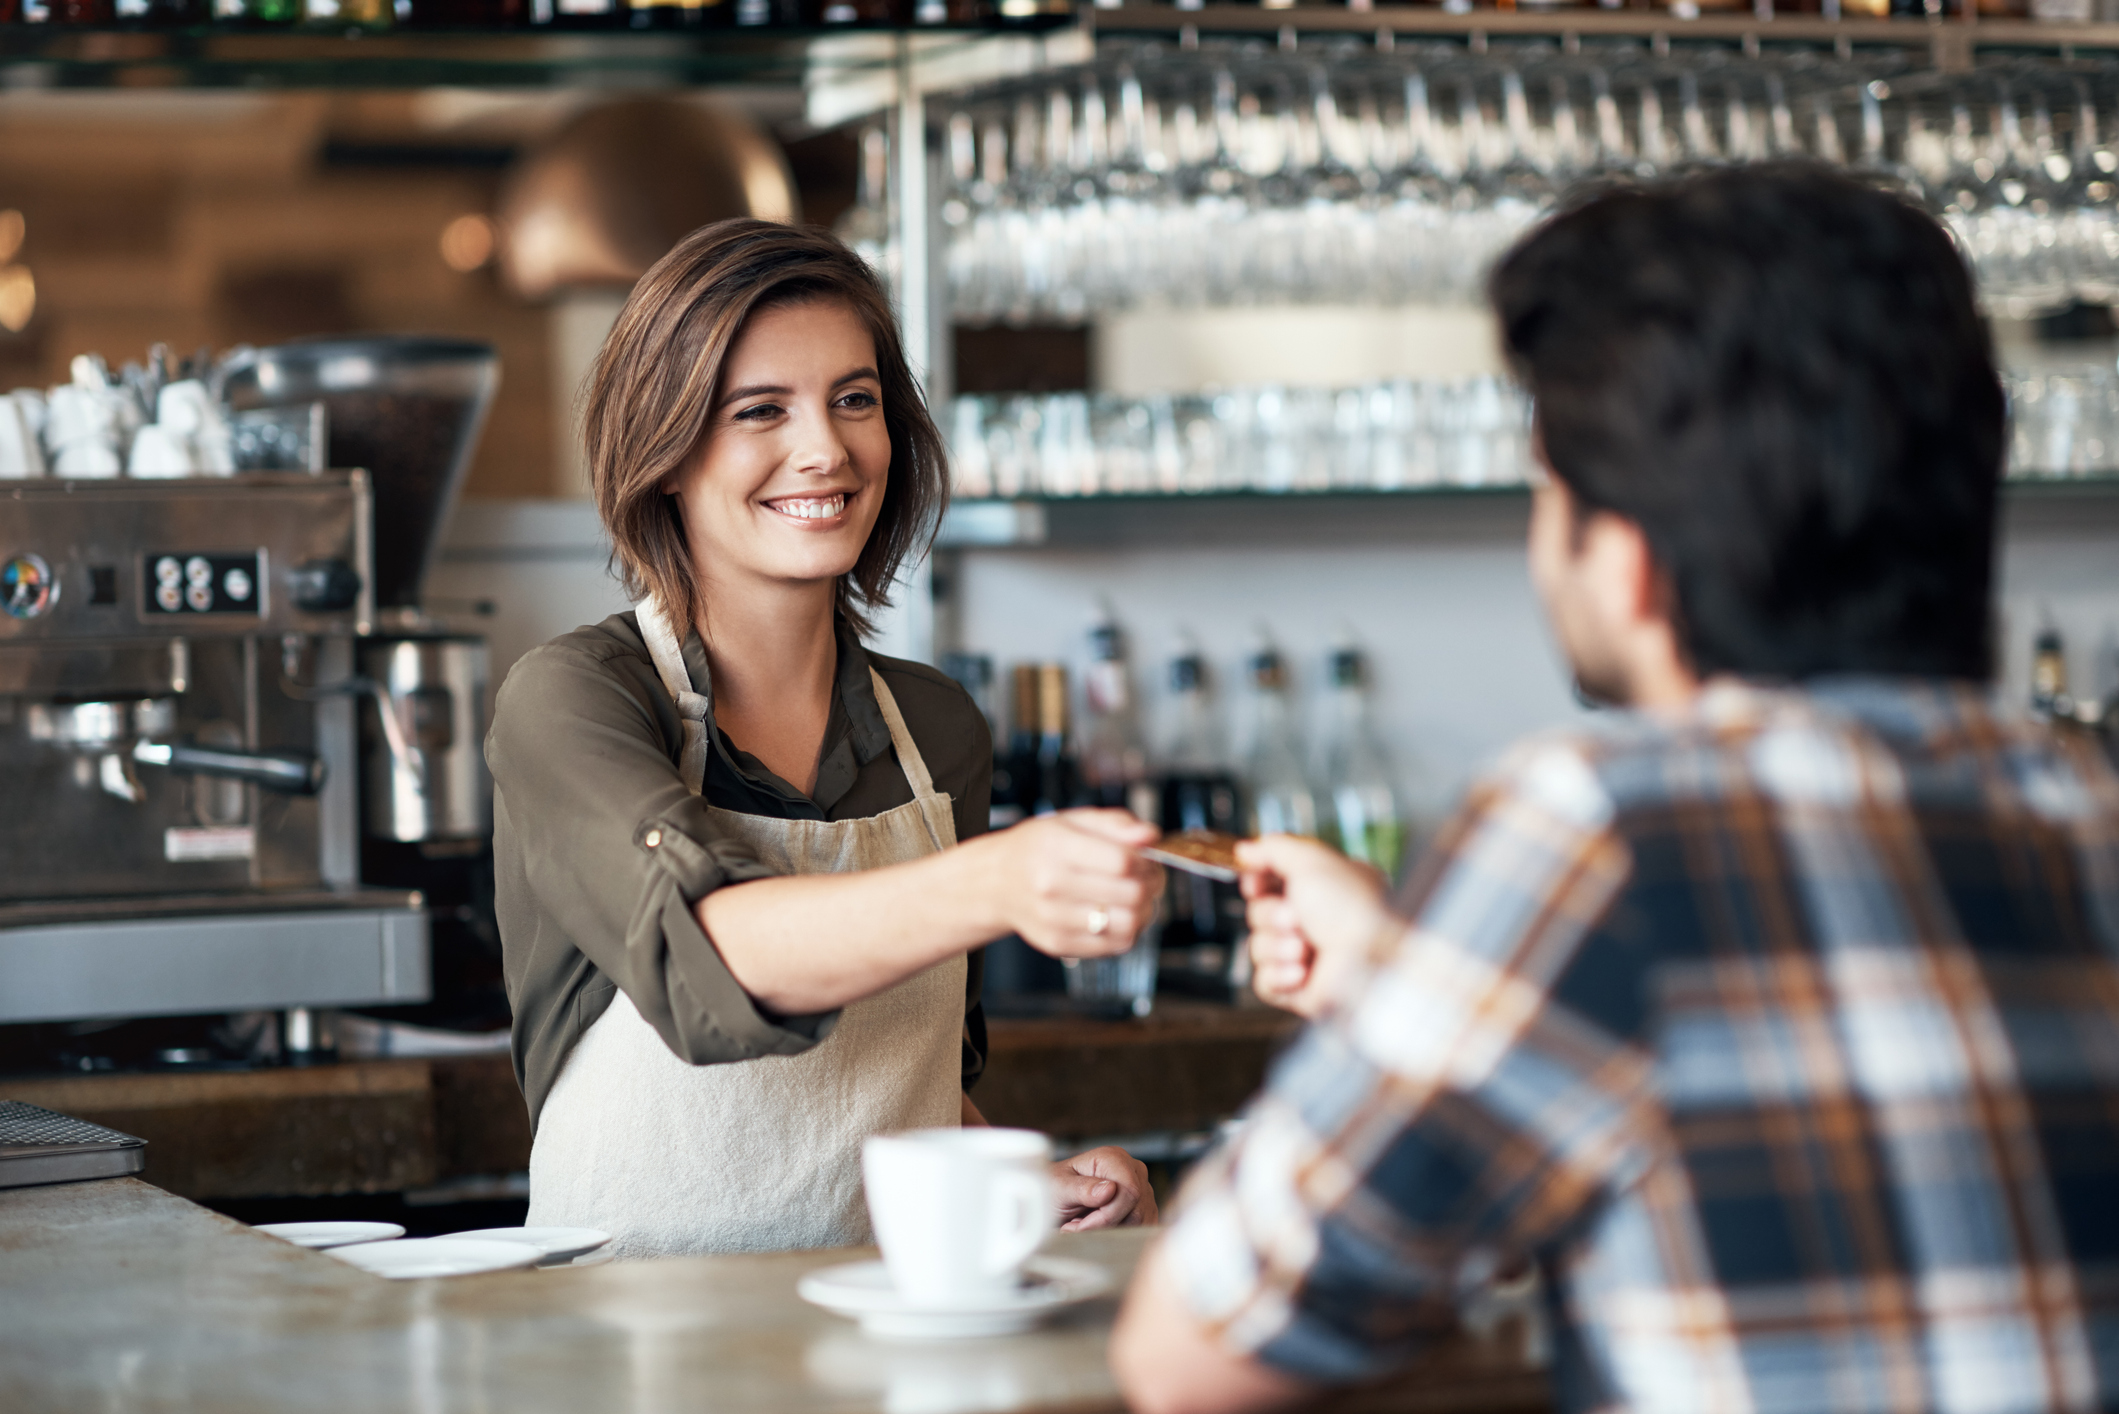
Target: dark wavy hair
{"x":1779,"y":374}
{"x":654,"y":387}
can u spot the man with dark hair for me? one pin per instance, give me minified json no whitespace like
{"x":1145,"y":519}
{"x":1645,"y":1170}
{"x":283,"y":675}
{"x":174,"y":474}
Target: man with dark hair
{"x":1775,"y":1019}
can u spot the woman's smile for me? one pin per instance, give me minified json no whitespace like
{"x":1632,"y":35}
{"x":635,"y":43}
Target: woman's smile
{"x":812,"y":511}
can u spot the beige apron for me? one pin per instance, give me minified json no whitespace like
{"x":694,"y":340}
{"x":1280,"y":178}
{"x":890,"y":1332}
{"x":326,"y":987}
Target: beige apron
{"x":757,"y":1155}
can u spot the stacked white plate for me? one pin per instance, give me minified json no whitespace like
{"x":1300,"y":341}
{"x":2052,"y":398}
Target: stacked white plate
{"x":436,"y":1257}
{"x":383,"y":1249}
{"x":556,"y":1246}
{"x":328,"y":1235}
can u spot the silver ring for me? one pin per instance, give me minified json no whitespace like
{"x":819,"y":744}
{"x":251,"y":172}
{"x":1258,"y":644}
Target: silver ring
{"x":1099,"y":922}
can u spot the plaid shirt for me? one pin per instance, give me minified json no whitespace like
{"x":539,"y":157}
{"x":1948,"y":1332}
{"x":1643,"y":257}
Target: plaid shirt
{"x":1785,"y":1039}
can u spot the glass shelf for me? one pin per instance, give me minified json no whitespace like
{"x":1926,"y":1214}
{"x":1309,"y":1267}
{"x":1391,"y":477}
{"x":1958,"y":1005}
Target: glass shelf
{"x":52,"y":56}
{"x":1424,"y":514}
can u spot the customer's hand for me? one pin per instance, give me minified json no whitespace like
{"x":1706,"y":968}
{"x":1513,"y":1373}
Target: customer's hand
{"x":1104,"y":1187}
{"x":1070,"y":884}
{"x":1314,"y":915}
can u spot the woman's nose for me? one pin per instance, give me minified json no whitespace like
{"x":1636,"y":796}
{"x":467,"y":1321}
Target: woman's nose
{"x":817,"y":445}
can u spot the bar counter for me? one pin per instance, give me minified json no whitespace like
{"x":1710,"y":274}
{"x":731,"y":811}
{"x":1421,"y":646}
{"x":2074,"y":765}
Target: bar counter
{"x":117,"y":1296}
{"x":381,"y":1126}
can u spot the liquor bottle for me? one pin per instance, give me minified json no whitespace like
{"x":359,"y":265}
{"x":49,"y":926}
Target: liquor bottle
{"x":1037,"y":782}
{"x":1205,"y":919}
{"x":577,"y":14}
{"x":861,"y":12}
{"x":2049,"y":694}
{"x":350,"y":14}
{"x":83,"y":12}
{"x":1015,"y":764}
{"x":1282,"y":802}
{"x":974,"y":673}
{"x":462,"y":14}
{"x":1114,"y":758}
{"x":1363,"y":817}
{"x":165,"y":14}
{"x":1055,"y":763}
{"x":679,"y":14}
{"x":257,"y":14}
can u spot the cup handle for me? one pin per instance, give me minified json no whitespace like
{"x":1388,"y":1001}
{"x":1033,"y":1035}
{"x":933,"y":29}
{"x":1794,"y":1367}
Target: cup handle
{"x":1020,"y":1216}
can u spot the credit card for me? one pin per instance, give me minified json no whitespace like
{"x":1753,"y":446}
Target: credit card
{"x":1208,"y":853}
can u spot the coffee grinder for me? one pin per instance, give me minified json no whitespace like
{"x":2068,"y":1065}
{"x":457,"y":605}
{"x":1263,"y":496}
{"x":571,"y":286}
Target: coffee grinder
{"x":411,"y":408}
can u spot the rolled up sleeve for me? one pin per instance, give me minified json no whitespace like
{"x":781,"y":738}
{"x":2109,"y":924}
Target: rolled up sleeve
{"x":600,"y":856}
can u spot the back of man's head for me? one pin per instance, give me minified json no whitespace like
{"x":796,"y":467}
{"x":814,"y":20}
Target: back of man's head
{"x":1780,"y":376}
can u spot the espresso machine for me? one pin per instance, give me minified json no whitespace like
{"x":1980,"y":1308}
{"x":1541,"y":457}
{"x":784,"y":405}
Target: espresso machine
{"x":179,"y":757}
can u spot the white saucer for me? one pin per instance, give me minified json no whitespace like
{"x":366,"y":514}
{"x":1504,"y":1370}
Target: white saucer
{"x":322,"y":1235}
{"x":437,"y":1257}
{"x":862,"y":1290}
{"x":552,"y":1243}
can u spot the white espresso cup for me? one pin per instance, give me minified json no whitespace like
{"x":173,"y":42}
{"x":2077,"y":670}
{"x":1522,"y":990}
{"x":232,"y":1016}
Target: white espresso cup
{"x":958,"y":1211}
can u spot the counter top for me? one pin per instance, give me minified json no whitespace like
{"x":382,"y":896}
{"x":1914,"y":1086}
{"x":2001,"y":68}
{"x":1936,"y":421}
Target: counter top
{"x":116,"y":1295}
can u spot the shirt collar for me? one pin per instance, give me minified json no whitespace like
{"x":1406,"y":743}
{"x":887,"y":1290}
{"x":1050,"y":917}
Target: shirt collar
{"x":855,"y":735}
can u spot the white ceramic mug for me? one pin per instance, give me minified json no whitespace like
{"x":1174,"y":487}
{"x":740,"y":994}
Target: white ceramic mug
{"x":958,"y":1211}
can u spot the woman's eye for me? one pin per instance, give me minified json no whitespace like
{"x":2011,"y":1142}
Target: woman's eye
{"x":757,"y":412}
{"x":860,"y":399}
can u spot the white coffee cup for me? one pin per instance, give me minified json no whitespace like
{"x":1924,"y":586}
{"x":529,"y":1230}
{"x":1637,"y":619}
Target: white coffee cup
{"x":958,"y":1211}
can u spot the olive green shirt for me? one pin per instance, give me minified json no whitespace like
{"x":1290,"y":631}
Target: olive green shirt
{"x":584,"y":751}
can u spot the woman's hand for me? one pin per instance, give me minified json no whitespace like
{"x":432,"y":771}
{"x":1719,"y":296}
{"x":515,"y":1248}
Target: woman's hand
{"x":1070,"y":884}
{"x":1314,"y":915}
{"x":1104,"y":1187}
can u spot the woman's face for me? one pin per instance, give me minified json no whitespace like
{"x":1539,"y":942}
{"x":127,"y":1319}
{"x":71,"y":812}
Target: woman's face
{"x":788,"y":480}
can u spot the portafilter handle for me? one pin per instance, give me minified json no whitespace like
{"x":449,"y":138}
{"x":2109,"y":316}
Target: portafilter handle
{"x":290,"y":772}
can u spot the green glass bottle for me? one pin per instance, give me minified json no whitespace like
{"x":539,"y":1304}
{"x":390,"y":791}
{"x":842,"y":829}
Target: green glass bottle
{"x":1365,"y":817}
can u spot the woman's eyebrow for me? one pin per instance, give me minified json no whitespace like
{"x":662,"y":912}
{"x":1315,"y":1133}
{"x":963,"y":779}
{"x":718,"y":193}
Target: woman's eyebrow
{"x":755,"y":390}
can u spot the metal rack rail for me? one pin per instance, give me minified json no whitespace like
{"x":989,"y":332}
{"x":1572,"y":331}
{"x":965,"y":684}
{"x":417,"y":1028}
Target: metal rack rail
{"x":1951,"y":40}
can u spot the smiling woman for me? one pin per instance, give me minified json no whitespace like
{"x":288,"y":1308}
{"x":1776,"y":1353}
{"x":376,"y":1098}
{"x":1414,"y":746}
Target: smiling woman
{"x":737,"y":878}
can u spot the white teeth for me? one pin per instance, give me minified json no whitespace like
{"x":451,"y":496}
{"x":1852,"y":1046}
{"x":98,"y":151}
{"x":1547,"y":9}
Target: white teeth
{"x":811,"y":509}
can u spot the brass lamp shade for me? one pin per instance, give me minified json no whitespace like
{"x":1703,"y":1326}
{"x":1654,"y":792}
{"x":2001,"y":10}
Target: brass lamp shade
{"x":607,"y":195}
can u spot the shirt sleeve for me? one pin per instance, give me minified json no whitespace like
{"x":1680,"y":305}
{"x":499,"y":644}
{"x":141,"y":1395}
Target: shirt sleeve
{"x":615,"y":852}
{"x":1446,"y":1115}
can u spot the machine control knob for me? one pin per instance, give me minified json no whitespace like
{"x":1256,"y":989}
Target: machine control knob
{"x":324,"y":586}
{"x":27,"y":586}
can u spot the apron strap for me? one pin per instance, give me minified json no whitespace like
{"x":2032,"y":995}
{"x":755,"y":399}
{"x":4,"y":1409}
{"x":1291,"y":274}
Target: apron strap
{"x":909,"y":758}
{"x":666,"y":649}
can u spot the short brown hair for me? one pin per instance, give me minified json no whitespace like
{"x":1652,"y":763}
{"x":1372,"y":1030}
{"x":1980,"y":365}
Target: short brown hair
{"x":655,"y":383}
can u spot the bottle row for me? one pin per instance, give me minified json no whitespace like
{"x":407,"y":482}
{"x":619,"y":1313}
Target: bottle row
{"x":1048,"y":758}
{"x":459,"y":15}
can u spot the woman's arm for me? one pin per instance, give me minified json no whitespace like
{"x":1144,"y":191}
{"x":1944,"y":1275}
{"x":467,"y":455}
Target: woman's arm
{"x":1069,"y":884}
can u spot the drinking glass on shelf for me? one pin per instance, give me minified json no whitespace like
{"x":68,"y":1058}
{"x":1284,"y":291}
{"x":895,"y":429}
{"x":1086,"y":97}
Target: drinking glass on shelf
{"x":1241,"y":173}
{"x":1395,"y":435}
